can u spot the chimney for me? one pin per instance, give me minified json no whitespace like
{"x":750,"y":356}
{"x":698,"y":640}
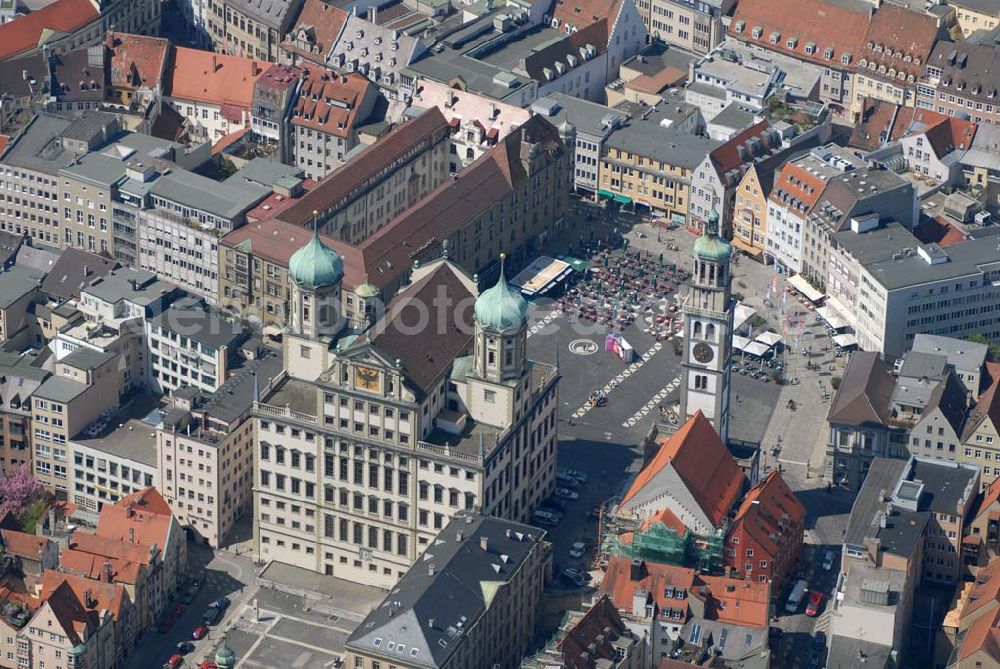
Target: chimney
{"x":484,"y":543}
{"x":88,"y":599}
{"x":638,"y":570}
{"x":430,"y":569}
{"x":106,"y":572}
{"x":373,"y":14}
{"x":459,"y":536}
{"x":430,"y":623}
{"x":215,"y":63}
{"x":131,"y":535}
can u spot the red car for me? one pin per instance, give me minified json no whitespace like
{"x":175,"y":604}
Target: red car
{"x":815,"y":600}
{"x":174,"y":662}
{"x":199,"y":632}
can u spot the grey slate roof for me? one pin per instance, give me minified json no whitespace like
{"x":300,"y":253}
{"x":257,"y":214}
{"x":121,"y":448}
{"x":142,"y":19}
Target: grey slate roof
{"x":272,"y":13}
{"x":263,"y":172}
{"x":844,"y":654}
{"x":87,"y":358}
{"x":864,"y":392}
{"x":17,"y":282}
{"x":225,"y":200}
{"x":39,"y":259}
{"x":73,"y":271}
{"x":883,"y":475}
{"x":918,"y":365}
{"x":455,"y":596}
{"x":136,"y":286}
{"x":667,"y":145}
{"x":60,"y":389}
{"x":587,"y":117}
{"x":235,"y":396}
{"x":191,"y":317}
{"x":964,"y":259}
{"x":734,"y":116}
{"x":34,"y":148}
{"x":19,"y":378}
{"x":964,"y":355}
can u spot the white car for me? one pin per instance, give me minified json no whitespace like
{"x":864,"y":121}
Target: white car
{"x":576,"y":474}
{"x":828,"y":561}
{"x":566,"y":493}
{"x":578,"y":549}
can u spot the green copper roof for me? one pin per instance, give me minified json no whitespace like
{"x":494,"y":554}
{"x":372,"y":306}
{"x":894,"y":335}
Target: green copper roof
{"x":366,"y":291}
{"x":501,"y":307}
{"x":225,"y":658}
{"x":315,"y":265}
{"x":710,"y":246}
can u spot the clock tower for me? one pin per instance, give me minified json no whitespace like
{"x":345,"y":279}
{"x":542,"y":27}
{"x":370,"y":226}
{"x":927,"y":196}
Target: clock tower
{"x":708,"y":329}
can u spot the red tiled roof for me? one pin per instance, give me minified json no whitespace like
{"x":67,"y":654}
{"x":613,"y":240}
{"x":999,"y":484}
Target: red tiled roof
{"x":65,"y":16}
{"x":275,"y":203}
{"x":276,"y":240}
{"x":727,"y":600}
{"x":949,"y":134}
{"x":213,"y":78}
{"x":738,"y":601}
{"x":619,"y":586}
{"x":987,"y":408}
{"x":983,"y":635}
{"x":371,"y":160}
{"x":666,"y":517}
{"x":727,"y":156}
{"x":329,"y":102}
{"x":323,"y":23}
{"x":654,"y":83}
{"x":875,"y":124}
{"x":702,"y":462}
{"x":895,"y":32}
{"x":4,"y":139}
{"x":816,"y":23}
{"x":137,"y":60}
{"x":804,"y":189}
{"x":937,"y":230}
{"x":762,"y":515}
{"x":25,"y":545}
{"x":72,"y":616}
{"x":228,"y":141}
{"x":582,"y":13}
{"x":104,"y":595}
{"x":589,"y":639}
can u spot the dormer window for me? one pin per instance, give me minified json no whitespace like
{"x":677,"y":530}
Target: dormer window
{"x":740,"y":25}
{"x":810,"y":49}
{"x":792,"y":42}
{"x":757,"y":32}
{"x":845,"y":59}
{"x":775,"y":36}
{"x":828,"y":53}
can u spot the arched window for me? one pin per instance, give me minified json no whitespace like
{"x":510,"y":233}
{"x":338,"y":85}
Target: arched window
{"x":710,"y":332}
{"x":697,"y":329}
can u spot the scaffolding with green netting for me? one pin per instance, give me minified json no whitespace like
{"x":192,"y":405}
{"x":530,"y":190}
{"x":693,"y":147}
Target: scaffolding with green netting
{"x":659,"y":543}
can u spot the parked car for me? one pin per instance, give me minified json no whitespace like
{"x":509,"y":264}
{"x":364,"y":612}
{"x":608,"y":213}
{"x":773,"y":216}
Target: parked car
{"x":574,"y":474}
{"x":566,"y":480}
{"x":545,"y":518}
{"x":566,"y":493}
{"x":815,"y":602}
{"x":554,"y":503}
{"x":199,"y":633}
{"x":212,"y":616}
{"x":819,"y":641}
{"x":185,"y":647}
{"x":571,"y":577}
{"x":775,"y":632}
{"x":828,"y":561}
{"x":578,"y":549}
{"x":221,"y":603}
{"x":174,"y":662}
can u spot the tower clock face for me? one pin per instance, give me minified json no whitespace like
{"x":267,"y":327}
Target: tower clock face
{"x":703,"y":353}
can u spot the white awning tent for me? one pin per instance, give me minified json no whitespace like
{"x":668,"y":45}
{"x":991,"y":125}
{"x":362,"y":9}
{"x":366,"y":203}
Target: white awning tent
{"x":757,"y":349}
{"x":801,"y":285}
{"x":742,"y":315}
{"x":845,"y":340}
{"x":832,"y":318}
{"x":542,"y":275}
{"x":769,"y":338}
{"x":740,"y":343}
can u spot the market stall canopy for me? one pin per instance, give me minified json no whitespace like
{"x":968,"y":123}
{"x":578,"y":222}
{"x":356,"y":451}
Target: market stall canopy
{"x":832,"y":318}
{"x":801,"y":285}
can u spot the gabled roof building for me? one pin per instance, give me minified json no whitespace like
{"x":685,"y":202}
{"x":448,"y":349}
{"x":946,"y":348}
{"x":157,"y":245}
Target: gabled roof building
{"x":480,"y":575}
